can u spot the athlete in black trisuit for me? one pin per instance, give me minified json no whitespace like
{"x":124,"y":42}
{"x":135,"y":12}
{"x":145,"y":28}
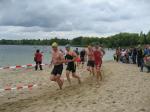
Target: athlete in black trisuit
{"x":71,"y":65}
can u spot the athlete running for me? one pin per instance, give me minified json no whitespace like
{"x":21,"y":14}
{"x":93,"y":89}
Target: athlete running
{"x":98,"y":54}
{"x":91,"y":60}
{"x":71,"y":65}
{"x":57,"y":60}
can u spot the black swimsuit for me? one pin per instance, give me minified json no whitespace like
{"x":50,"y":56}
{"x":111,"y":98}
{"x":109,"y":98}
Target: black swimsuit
{"x":71,"y":66}
{"x":57,"y":70}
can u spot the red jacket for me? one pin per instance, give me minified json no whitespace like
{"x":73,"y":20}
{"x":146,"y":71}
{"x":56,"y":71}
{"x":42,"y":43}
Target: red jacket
{"x":38,"y":56}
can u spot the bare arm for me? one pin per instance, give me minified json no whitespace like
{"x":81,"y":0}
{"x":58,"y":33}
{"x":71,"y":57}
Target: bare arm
{"x":62,"y":58}
{"x":75,"y":56}
{"x":51,"y":62}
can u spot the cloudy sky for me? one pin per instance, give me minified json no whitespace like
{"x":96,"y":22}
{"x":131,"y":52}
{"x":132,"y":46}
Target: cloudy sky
{"x":71,"y":18}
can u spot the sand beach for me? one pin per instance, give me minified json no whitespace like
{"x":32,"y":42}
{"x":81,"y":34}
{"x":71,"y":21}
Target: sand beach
{"x":123,"y":89}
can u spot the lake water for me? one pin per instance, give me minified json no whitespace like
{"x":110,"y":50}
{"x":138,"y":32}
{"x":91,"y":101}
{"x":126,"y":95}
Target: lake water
{"x":20,"y":55}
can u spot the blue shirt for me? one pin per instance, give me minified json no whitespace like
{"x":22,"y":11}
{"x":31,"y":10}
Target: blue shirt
{"x":146,"y":51}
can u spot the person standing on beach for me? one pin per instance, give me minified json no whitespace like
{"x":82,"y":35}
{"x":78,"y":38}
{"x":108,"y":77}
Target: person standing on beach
{"x":71,"y":65}
{"x":57,"y":60}
{"x":140,"y":55}
{"x":98,"y":55}
{"x":117,"y":54}
{"x":134,"y":55}
{"x":38,"y":59}
{"x":146,"y":54}
{"x":76,"y":51}
{"x":82,"y":57}
{"x":91,"y":60}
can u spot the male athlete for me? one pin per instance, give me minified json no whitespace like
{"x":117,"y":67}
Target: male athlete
{"x":98,"y":55}
{"x":57,"y":60}
{"x":91,"y":59}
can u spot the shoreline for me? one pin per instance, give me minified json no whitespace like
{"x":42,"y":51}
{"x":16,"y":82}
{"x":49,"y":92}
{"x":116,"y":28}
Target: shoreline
{"x":123,"y":89}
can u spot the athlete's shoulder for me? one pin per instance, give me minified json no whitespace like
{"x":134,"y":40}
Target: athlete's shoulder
{"x":73,"y":53}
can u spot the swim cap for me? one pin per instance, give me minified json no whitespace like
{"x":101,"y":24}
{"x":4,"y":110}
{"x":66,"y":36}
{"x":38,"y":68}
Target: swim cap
{"x":54,"y":44}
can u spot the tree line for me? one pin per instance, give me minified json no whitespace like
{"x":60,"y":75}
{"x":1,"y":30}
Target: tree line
{"x":118,"y":40}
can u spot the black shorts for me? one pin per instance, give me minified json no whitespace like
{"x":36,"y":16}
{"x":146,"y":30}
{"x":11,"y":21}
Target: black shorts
{"x":91,"y":63}
{"x":57,"y":70}
{"x":82,"y":59}
{"x":71,"y":67}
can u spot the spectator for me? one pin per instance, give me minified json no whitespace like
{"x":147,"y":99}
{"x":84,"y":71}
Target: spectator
{"x":134,"y":55}
{"x":38,"y":59}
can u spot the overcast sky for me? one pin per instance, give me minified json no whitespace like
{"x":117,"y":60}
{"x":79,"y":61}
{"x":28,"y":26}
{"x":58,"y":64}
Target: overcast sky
{"x":71,"y":18}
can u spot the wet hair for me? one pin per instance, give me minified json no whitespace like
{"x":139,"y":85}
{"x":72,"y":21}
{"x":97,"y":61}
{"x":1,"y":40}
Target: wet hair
{"x":37,"y":50}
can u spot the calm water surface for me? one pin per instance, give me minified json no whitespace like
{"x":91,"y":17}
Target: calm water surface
{"x":20,"y":55}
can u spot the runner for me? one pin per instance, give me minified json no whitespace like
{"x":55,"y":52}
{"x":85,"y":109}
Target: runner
{"x":82,"y":57}
{"x":71,"y":66}
{"x":57,"y":60}
{"x":98,"y":54}
{"x":91,"y":61}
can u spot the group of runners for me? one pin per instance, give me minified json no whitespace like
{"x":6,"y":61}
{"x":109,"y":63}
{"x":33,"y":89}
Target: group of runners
{"x":94,"y":56}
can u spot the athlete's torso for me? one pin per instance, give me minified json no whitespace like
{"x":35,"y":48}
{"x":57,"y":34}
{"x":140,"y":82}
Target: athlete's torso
{"x":98,"y":56}
{"x":70,"y":56}
{"x":56,"y":57}
{"x":90,"y":54}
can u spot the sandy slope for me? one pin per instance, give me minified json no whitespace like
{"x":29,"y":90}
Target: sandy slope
{"x":123,"y":89}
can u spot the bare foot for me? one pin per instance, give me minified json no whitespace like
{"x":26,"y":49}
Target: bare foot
{"x":62,"y":82}
{"x":100,"y":78}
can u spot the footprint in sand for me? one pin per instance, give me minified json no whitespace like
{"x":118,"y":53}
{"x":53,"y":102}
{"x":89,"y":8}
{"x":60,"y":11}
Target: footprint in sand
{"x":94,"y":102}
{"x":142,"y":110}
{"x":90,"y":84}
{"x":114,"y":102}
{"x":55,"y":99}
{"x":78,"y":97}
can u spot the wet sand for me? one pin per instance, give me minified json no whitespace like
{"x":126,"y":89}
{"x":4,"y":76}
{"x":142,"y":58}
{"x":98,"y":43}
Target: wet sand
{"x":123,"y":89}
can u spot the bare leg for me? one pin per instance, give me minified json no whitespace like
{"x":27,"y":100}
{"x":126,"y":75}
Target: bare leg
{"x":59,"y":81}
{"x":52,"y":78}
{"x":82,"y":64}
{"x":78,"y":64}
{"x":99,"y":74}
{"x":88,"y":69}
{"x":76,"y":76}
{"x":93,"y":72}
{"x":68,"y":77}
